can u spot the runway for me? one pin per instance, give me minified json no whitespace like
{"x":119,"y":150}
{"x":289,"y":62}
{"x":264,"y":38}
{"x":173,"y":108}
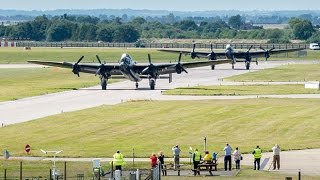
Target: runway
{"x":46,"y":105}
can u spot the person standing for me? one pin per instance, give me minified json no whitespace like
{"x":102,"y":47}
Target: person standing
{"x":153,"y":160}
{"x":237,"y":157}
{"x":196,"y":161}
{"x":227,"y":157}
{"x":161,"y":160}
{"x":276,"y":156}
{"x":257,"y":154}
{"x":118,"y":161}
{"x":176,"y":155}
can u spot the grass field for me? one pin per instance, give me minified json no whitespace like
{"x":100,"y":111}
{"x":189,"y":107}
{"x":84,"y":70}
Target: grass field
{"x":18,"y":55}
{"x":150,"y":126}
{"x":20,"y":83}
{"x":242,"y":90}
{"x":295,"y":72}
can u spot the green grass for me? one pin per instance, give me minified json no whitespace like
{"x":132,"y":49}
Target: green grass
{"x":20,"y":83}
{"x":151,"y":126}
{"x":287,"y":73}
{"x":238,"y":90}
{"x":18,"y":55}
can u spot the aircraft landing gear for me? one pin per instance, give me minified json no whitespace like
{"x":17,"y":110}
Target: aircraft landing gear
{"x":247,"y":65}
{"x":212,"y":67}
{"x":152,"y":83}
{"x":104,"y":82}
{"x":137,"y":85}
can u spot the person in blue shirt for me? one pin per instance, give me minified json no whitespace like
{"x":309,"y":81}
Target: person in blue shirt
{"x":227,"y":157}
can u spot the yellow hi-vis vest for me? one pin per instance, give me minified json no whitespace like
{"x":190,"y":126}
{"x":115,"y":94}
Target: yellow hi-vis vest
{"x":118,"y":159}
{"x":197,"y":156}
{"x":257,"y":153}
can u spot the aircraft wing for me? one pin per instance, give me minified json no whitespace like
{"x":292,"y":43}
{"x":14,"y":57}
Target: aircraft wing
{"x":168,"y":68}
{"x":219,"y":55}
{"x":90,"y":68}
{"x":256,"y":54}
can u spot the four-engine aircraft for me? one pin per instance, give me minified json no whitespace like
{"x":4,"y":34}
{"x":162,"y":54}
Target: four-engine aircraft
{"x":128,"y":68}
{"x":231,"y":54}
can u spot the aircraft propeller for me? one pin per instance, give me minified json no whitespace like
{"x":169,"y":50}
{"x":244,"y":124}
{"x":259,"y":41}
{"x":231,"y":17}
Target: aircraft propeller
{"x":76,"y":67}
{"x":102,"y":68}
{"x":151,"y":69}
{"x":179,"y":67}
{"x":212,"y":55}
{"x":193,"y":54}
{"x":267,"y":52}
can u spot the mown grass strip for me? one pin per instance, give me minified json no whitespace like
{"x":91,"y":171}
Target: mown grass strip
{"x":151,"y":126}
{"x":27,"y":82}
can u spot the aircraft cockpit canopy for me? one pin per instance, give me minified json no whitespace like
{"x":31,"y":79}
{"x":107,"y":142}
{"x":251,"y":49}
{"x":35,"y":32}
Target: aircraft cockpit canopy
{"x":126,"y":59}
{"x":229,"y":47}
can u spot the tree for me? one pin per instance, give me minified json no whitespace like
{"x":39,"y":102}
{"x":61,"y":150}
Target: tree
{"x":126,"y":33}
{"x":302,"y":29}
{"x":105,"y":34}
{"x":188,"y":25}
{"x":87,"y":32}
{"x":235,"y":21}
{"x":39,"y":28}
{"x":59,"y":31}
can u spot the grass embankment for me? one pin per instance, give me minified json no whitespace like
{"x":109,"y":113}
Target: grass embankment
{"x":20,"y":83}
{"x":152,"y":126}
{"x":287,"y":73}
{"x":18,"y":55}
{"x":239,"y":90}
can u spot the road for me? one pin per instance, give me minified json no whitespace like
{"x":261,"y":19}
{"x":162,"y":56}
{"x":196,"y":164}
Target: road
{"x":46,"y":105}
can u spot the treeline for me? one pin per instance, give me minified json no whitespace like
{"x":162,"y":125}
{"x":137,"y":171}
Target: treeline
{"x":89,"y":28}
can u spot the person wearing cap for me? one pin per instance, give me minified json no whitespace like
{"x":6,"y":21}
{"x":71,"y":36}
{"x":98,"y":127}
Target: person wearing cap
{"x":276,"y":156}
{"x":118,"y":161}
{"x":176,"y":155}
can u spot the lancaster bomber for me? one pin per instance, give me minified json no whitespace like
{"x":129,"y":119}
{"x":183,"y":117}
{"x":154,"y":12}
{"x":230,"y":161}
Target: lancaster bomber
{"x":130,"y":69}
{"x":235,"y":56}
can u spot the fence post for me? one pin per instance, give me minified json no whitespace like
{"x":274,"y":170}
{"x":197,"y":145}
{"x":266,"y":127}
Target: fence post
{"x":50,"y":175}
{"x":20,"y":170}
{"x":5,"y":174}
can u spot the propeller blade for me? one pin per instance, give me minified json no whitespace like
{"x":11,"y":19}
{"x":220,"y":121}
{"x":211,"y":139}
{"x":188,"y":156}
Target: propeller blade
{"x":149,"y":57}
{"x":80,"y":60}
{"x":179,"y":57}
{"x":194,"y":47}
{"x":250,"y":48}
{"x":211,"y":46}
{"x":98,"y":71}
{"x":262,"y":48}
{"x":98,"y":59}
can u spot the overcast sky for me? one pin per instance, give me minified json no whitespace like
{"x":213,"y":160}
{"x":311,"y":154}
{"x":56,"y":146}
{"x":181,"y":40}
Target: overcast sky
{"x":178,"y":5}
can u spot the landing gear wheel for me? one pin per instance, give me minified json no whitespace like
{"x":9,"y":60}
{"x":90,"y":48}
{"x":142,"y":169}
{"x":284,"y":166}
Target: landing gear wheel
{"x":103,"y":83}
{"x":212,"y":67}
{"x":152,"y":84}
{"x":247,"y":65}
{"x":137,"y":85}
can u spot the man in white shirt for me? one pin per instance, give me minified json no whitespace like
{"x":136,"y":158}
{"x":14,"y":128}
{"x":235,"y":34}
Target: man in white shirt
{"x":276,"y":156}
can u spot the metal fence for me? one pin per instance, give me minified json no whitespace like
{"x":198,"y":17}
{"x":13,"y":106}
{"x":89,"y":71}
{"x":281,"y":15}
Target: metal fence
{"x":159,"y":45}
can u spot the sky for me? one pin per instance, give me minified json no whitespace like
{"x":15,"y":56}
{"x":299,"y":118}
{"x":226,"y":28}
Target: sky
{"x":171,"y":5}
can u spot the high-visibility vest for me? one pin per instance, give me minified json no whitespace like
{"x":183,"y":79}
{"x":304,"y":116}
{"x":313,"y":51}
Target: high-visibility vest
{"x":258,"y":153}
{"x":118,"y":159}
{"x":197,"y":156}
